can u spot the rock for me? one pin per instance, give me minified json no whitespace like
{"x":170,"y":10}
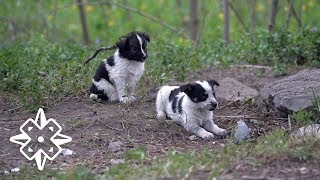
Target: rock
{"x":242,"y":132}
{"x":292,"y":93}
{"x":192,"y":137}
{"x":116,"y":161}
{"x":233,"y":90}
{"x":308,"y":131}
{"x":66,"y":152}
{"x":115,"y":146}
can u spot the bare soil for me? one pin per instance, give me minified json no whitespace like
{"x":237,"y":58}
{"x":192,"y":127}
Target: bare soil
{"x":93,"y":126}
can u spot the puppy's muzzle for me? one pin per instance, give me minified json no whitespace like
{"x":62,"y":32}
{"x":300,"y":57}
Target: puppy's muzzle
{"x":144,"y":57}
{"x":212,"y":106}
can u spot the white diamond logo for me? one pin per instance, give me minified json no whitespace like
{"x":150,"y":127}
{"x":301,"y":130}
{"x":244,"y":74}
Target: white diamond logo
{"x":54,"y":140}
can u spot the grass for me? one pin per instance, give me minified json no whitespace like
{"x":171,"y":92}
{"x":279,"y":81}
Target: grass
{"x":41,"y":63}
{"x":277,"y":145}
{"x":37,"y":72}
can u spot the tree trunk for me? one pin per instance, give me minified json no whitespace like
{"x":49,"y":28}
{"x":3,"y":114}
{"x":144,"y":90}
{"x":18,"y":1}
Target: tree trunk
{"x":289,"y":15}
{"x":252,"y":15}
{"x":273,"y":14}
{"x":226,"y":22}
{"x":194,"y":21}
{"x":84,"y":26}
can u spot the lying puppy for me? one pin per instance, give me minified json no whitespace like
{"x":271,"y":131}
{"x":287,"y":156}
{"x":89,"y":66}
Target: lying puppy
{"x":190,"y":106}
{"x":122,"y":70}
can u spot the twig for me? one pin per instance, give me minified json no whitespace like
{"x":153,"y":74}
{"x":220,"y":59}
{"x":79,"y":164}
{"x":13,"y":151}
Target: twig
{"x":97,"y":52}
{"x":253,"y":66}
{"x":226,"y":105}
{"x":246,"y":117}
{"x":114,"y":128}
{"x":236,"y":12}
{"x":289,"y":15}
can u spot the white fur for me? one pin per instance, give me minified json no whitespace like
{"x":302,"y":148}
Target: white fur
{"x":124,"y":75}
{"x":195,"y":117}
{"x":140,"y":41}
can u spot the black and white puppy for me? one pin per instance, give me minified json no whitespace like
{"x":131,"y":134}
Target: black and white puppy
{"x":190,"y":106}
{"x":121,"y":71}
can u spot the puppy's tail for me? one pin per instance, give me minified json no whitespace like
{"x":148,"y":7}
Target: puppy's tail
{"x":97,"y":51}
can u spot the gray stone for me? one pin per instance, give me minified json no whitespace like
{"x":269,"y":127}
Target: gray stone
{"x":115,"y":146}
{"x":242,"y":131}
{"x":292,"y":93}
{"x":233,"y":90}
{"x":312,"y":130}
{"x":116,"y":161}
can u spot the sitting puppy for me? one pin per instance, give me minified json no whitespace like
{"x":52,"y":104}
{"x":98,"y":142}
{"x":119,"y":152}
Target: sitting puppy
{"x":190,"y":106}
{"x":122,"y":70}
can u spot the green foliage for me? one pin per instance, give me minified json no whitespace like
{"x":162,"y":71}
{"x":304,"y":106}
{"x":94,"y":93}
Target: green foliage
{"x":38,"y":71}
{"x":305,"y":117}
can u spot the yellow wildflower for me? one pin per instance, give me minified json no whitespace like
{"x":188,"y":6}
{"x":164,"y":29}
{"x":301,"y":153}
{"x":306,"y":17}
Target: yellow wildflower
{"x":49,"y":18}
{"x":142,"y":7}
{"x":220,"y":16}
{"x":286,"y":8}
{"x":110,"y":23}
{"x":180,"y":40}
{"x":304,"y":7}
{"x":311,"y":3}
{"x":73,"y":7}
{"x":89,"y":8}
{"x":259,"y":7}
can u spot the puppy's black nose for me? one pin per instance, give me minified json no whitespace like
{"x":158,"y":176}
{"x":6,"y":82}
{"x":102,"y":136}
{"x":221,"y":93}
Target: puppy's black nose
{"x":214,"y":105}
{"x":144,"y":57}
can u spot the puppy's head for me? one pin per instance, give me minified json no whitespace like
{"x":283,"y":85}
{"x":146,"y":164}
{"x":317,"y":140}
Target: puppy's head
{"x":133,"y":46}
{"x":202,"y":93}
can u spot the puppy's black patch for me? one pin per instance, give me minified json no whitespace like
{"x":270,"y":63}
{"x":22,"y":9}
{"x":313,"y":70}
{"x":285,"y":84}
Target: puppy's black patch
{"x":110,"y":61}
{"x":195,"y":92}
{"x":99,"y":93}
{"x":174,"y":104}
{"x":129,"y":46}
{"x":101,"y":73}
{"x":174,"y":93}
{"x":180,"y":104}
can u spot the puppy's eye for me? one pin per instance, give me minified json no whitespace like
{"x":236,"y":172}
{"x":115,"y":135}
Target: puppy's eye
{"x":205,"y":95}
{"x":134,"y":49}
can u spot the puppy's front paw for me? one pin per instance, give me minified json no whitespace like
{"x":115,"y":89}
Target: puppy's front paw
{"x":161,"y":116}
{"x":132,"y":98}
{"x":95,"y":97}
{"x":222,"y":132}
{"x":124,"y":100}
{"x":206,"y":135}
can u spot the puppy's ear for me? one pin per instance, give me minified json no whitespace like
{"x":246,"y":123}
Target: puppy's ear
{"x":122,"y":43}
{"x":213,"y":82}
{"x":186,"y":88}
{"x":146,"y":36}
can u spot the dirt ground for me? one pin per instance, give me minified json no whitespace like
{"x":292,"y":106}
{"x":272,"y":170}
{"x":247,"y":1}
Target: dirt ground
{"x":93,"y":126}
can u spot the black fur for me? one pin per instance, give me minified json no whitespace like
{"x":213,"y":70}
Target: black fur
{"x":213,"y":82}
{"x":175,"y":103}
{"x":102,"y":72}
{"x":101,"y":95}
{"x":129,"y":46}
{"x":174,"y":93}
{"x":195,"y":92}
{"x":180,"y":104}
{"x":110,"y":61}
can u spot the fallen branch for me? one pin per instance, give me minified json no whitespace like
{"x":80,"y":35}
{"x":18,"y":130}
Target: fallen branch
{"x":113,"y":128}
{"x":246,"y":117}
{"x":97,"y":52}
